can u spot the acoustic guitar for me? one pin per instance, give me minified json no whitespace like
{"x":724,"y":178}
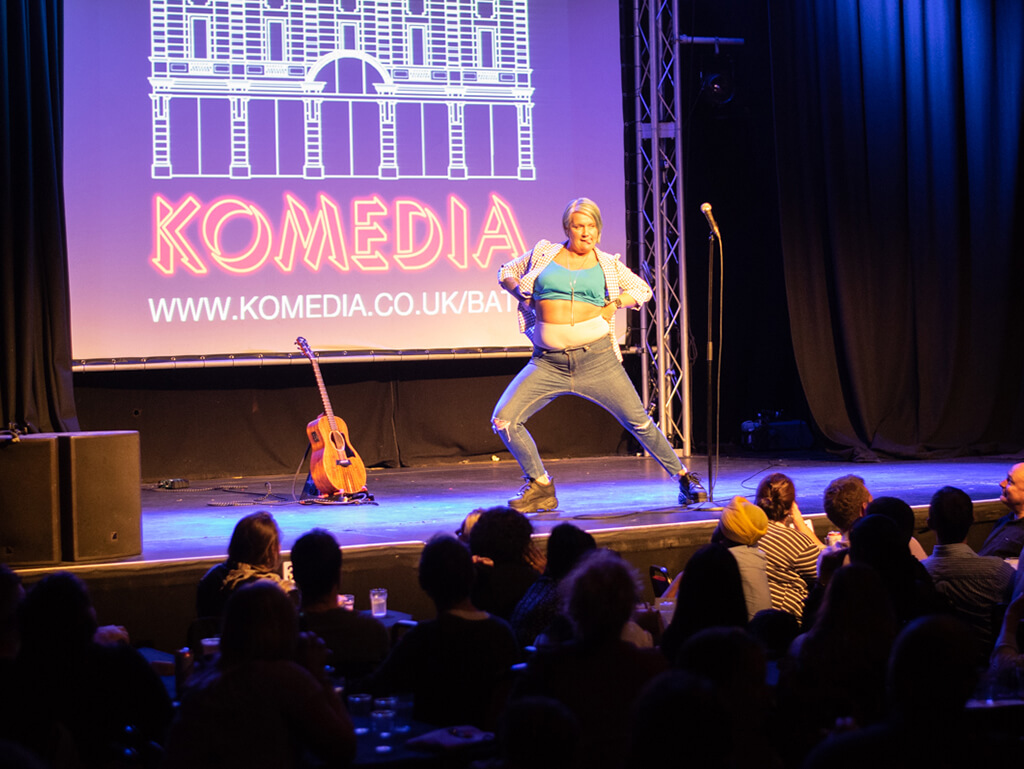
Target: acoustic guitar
{"x":334,"y":464}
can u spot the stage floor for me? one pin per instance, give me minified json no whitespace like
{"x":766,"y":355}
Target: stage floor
{"x":598,"y":494}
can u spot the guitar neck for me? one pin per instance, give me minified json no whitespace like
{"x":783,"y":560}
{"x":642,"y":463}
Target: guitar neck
{"x":323,"y":393}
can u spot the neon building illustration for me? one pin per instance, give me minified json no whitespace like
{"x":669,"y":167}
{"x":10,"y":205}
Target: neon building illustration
{"x":314,"y":89}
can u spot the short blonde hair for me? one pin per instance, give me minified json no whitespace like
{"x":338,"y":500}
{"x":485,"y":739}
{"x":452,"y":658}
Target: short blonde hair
{"x":583,"y":206}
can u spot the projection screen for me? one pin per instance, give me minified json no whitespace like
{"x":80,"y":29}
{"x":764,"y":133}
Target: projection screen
{"x":239,"y":173}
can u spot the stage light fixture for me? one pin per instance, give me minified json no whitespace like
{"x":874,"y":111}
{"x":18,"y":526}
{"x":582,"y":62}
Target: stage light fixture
{"x":717,"y":82}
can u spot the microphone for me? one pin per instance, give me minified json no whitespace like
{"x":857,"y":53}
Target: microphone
{"x":706,"y":210}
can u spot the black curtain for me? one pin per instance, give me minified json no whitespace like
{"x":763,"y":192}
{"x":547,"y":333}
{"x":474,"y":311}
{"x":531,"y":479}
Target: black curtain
{"x":899,"y":137}
{"x":36,"y":388}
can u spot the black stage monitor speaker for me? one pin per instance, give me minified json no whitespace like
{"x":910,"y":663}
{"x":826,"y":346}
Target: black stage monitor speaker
{"x":101,"y":495}
{"x":29,"y":500}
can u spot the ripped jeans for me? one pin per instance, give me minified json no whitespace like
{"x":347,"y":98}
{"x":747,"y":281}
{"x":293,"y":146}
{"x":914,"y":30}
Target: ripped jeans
{"x":592,"y":372}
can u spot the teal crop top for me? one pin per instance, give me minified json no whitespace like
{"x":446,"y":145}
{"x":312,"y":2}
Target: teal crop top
{"x":557,"y":282}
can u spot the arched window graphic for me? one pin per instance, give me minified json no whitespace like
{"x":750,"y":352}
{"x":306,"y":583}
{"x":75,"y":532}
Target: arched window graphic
{"x":351,"y":124}
{"x":348,"y":72}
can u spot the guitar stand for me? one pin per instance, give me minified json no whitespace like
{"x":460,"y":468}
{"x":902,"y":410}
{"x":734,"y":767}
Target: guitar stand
{"x":311,"y":494}
{"x":363,"y":497}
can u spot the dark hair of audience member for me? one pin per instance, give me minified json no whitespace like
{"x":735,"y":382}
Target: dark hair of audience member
{"x":256,"y":540}
{"x":57,"y":618}
{"x":599,"y":596}
{"x":856,"y":612}
{"x":931,"y":671}
{"x":15,"y":756}
{"x":74,"y":693}
{"x":537,"y":733}
{"x":267,"y":701}
{"x":844,"y":500}
{"x":930,"y":677}
{"x":710,"y":595}
{"x":538,"y":618}
{"x":950,"y":515}
{"x":775,"y":629}
{"x":898,"y":511}
{"x":565,"y":546}
{"x":446,"y":572}
{"x":729,"y":657}
{"x":735,"y":664}
{"x":876,"y":541}
{"x":841,"y":660}
{"x":679,"y":714}
{"x":776,"y":495}
{"x":316,"y":564}
{"x":260,"y":623}
{"x":11,"y":595}
{"x":506,"y":559}
{"x":501,"y":534}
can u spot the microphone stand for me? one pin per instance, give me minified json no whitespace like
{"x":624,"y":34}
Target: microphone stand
{"x":711,"y":397}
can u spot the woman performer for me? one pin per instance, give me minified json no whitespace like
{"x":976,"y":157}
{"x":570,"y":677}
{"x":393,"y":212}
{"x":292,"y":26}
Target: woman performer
{"x":568,"y":294}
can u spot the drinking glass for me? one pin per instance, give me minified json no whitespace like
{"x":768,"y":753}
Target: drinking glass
{"x":379,"y":601}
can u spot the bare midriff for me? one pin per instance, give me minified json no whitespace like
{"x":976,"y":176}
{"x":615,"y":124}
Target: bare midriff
{"x":563,"y":311}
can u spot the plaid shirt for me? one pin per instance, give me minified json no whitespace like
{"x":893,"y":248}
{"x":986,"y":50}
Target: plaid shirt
{"x":617,"y":279}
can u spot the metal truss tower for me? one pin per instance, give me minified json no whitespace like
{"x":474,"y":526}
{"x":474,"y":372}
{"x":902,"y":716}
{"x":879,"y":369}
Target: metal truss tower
{"x":665,"y":331}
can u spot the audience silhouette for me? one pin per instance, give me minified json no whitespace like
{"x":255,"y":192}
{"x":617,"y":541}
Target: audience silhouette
{"x":975,"y":586}
{"x":789,"y":545}
{"x":1006,"y":662}
{"x":929,"y":680}
{"x":11,"y":595}
{"x":597,"y":675}
{"x":254,"y":553}
{"x":537,"y":733}
{"x":266,"y":700}
{"x":891,"y":650}
{"x":846,"y":501}
{"x":835,"y":671}
{"x":539,"y":607}
{"x":1007,"y":535}
{"x":680,"y":719}
{"x":456,"y":666}
{"x":903,"y":516}
{"x":740,"y":528}
{"x":734,"y":663}
{"x":507,"y":561}
{"x":710,"y":595}
{"x":876,"y":541}
{"x":358,"y":643}
{"x":72,"y":700}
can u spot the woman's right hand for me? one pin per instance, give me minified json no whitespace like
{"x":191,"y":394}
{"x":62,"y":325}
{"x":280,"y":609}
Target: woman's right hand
{"x":512,"y":286}
{"x":802,"y":526}
{"x":794,"y":513}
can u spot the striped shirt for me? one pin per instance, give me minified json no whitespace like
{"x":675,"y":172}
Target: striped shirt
{"x":617,"y":278}
{"x":972,"y":583}
{"x":792,"y":561}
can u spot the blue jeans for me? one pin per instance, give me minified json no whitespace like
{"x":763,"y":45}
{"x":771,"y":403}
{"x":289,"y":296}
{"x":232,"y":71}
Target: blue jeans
{"x":592,"y":372}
